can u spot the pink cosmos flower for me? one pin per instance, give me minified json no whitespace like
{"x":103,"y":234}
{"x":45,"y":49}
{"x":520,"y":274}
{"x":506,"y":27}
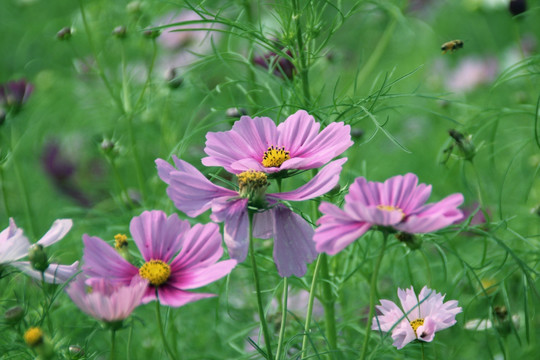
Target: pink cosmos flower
{"x":193,"y":194}
{"x":177,"y":258}
{"x":418,"y":318}
{"x":106,"y":300}
{"x":258,"y":144}
{"x":398,"y":203}
{"x":14,"y":246}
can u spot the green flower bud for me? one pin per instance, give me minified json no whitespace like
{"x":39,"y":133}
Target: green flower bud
{"x":464,"y":144}
{"x":38,"y":257}
{"x":14,"y":314}
{"x":120,"y":32}
{"x":64,"y":33}
{"x":413,"y":242}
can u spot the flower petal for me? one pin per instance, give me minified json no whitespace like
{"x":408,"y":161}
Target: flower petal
{"x":200,"y":276}
{"x":234,"y":214}
{"x":201,"y":246}
{"x":293,"y":242}
{"x":58,"y":230}
{"x":171,"y":296}
{"x":13,"y":244}
{"x":54,"y":274}
{"x":157,"y":236}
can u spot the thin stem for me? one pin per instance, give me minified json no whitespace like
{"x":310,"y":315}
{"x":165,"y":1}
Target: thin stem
{"x":248,"y":8}
{"x":422,"y":349}
{"x":328,"y":304}
{"x":260,"y":307}
{"x":372,"y":295}
{"x":128,"y":345}
{"x":4,"y":191}
{"x":309,"y":312}
{"x":161,"y":331}
{"x":301,"y":54}
{"x":113,"y":343}
{"x":283,"y":317}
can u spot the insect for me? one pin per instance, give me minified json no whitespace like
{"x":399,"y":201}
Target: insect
{"x":451,"y":46}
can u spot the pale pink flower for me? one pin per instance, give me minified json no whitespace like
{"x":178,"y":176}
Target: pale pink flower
{"x":417,"y":318}
{"x":177,"y":258}
{"x":398,"y":203}
{"x":105,"y":300}
{"x":259,"y":145}
{"x":14,"y":246}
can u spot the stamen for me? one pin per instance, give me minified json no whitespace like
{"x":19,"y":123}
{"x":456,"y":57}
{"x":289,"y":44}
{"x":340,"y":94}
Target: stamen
{"x":415,"y":324}
{"x":120,"y":241}
{"x":275,"y":156}
{"x":156,"y":271}
{"x":391,"y":208}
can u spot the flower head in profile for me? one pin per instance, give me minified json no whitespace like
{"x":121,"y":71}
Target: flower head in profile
{"x":280,"y":66}
{"x":419,"y":317}
{"x":14,"y":94}
{"x":14,"y":246}
{"x":177,"y":257}
{"x":398,"y":203}
{"x":258,"y":144}
{"x":105,"y":300}
{"x":193,"y":194}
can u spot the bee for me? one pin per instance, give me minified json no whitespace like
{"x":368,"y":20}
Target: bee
{"x":451,"y":46}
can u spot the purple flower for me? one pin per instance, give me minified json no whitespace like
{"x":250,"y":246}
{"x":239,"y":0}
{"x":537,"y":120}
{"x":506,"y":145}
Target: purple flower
{"x":177,"y":258}
{"x":106,"y":300}
{"x":417,"y":318}
{"x":15,"y":93}
{"x":398,"y":203}
{"x":193,"y":194}
{"x":282,"y":66}
{"x":258,"y":144}
{"x":14,"y":246}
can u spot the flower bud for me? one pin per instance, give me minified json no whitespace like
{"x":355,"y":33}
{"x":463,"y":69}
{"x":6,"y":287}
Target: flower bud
{"x":34,"y":338}
{"x":75,"y":352}
{"x":357,"y":134}
{"x":120,"y":32}
{"x":464,"y":144}
{"x":413,"y":242}
{"x":236,"y":112}
{"x":38,"y":257}
{"x":121,"y":246}
{"x":151,"y":34}
{"x":64,"y":33}
{"x":14,"y":314}
{"x":173,"y":80}
{"x":134,"y":7}
{"x":517,"y":7}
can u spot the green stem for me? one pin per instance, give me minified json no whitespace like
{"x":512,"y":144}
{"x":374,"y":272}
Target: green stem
{"x":113,"y":343}
{"x":328,"y":304}
{"x":161,"y":331}
{"x":303,"y":70}
{"x":283,"y":317}
{"x":422,"y":349}
{"x":24,"y":193}
{"x":248,"y":8}
{"x":372,"y":295}
{"x":4,"y":191}
{"x":260,"y":307}
{"x":309,"y":313}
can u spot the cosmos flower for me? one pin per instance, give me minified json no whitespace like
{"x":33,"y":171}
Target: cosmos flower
{"x":281,"y":66}
{"x":14,"y":94}
{"x":177,"y":258}
{"x":193,"y":194}
{"x":106,"y":300}
{"x":258,"y":144}
{"x":14,"y":246}
{"x":398,"y":203}
{"x":417,"y":318}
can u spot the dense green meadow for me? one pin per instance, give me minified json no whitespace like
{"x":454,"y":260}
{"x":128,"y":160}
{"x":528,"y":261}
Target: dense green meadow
{"x":92,"y":92}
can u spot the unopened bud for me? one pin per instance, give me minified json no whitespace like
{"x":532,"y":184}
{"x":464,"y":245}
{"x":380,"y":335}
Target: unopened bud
{"x":413,"y":242}
{"x":109,"y":147}
{"x":120,"y":32}
{"x":38,"y":257}
{"x":134,"y":7}
{"x":464,"y":144}
{"x":334,"y":191}
{"x":236,"y":112}
{"x":517,"y":7}
{"x":14,"y":314}
{"x":76,"y":352}
{"x":64,"y":33}
{"x":173,"y":80}
{"x":151,"y":34}
{"x":357,"y":134}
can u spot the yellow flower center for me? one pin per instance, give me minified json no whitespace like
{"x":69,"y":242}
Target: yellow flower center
{"x":120,"y":241}
{"x":391,"y":208}
{"x":275,"y":156}
{"x":415,"y":324}
{"x":33,"y":336}
{"x":156,"y":271}
{"x":252,"y":185}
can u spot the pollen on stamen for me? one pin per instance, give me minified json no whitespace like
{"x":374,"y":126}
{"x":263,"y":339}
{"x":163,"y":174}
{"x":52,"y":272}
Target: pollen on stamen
{"x":390,"y":208}
{"x":415,"y":324}
{"x":275,"y":156}
{"x":156,"y":271}
{"x":120,"y":241}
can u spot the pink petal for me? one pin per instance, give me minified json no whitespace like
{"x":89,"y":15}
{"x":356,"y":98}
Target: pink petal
{"x":336,"y":229}
{"x":263,"y":225}
{"x":374,"y":215}
{"x":293,"y":242}
{"x":323,"y":182}
{"x":201,"y":246}
{"x":173,"y":297}
{"x":156,"y":236}
{"x":13,"y":244}
{"x":58,"y":230}
{"x":298,"y":129}
{"x":201,"y":276}
{"x":54,"y":274}
{"x":234,"y":214}
{"x":102,"y":260}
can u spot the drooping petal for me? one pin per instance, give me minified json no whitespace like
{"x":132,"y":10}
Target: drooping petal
{"x":190,"y":191}
{"x":54,"y":274}
{"x":102,"y":260}
{"x":157,"y":236}
{"x":58,"y":230}
{"x":323,"y":182}
{"x":234,"y":214}
{"x":13,"y":244}
{"x":337,"y":229}
{"x":171,"y":296}
{"x":263,"y":225}
{"x":293,"y":242}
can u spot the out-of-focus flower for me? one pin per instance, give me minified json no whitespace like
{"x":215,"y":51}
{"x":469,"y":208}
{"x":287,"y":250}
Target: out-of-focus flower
{"x":39,"y":342}
{"x":14,"y":246}
{"x":398,"y":203}
{"x":61,"y":171}
{"x":105,"y":300}
{"x":33,"y":336}
{"x":14,"y":94}
{"x":517,"y":7}
{"x":280,"y":66}
{"x":177,"y":258}
{"x":64,"y":33}
{"x":417,"y":318}
{"x":470,"y":73}
{"x":258,"y":144}
{"x":193,"y":194}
